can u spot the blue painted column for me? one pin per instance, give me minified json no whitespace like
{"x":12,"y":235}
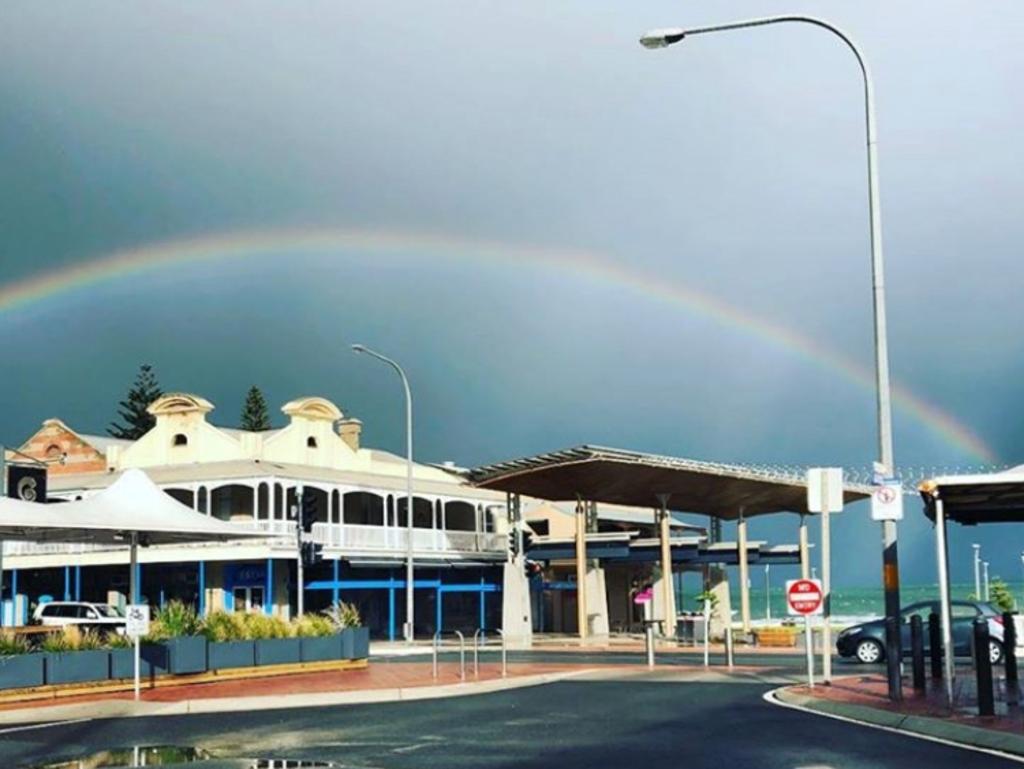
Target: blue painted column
{"x":161,"y":598}
{"x":67,"y":583}
{"x":439,"y":625}
{"x":78,"y":583}
{"x":202,"y":588}
{"x":391,"y":609}
{"x":483,"y":605}
{"x":16,"y":620}
{"x":268,"y":593}
{"x":335,"y":591}
{"x":138,"y":584}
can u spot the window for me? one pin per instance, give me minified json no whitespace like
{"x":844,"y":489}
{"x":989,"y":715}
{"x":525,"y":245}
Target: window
{"x":311,"y":442}
{"x":53,"y":452}
{"x":961,"y":610}
{"x":181,"y":439}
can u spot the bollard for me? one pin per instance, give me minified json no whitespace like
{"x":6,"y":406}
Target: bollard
{"x":917,"y":651}
{"x":983,"y":668}
{"x":504,"y":655}
{"x":728,"y":647}
{"x":434,"y":648}
{"x":935,"y":645}
{"x":1010,"y":659}
{"x":462,"y":655}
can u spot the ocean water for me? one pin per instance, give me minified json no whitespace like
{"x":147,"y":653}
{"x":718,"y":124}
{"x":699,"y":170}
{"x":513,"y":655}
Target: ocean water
{"x":849,"y":605}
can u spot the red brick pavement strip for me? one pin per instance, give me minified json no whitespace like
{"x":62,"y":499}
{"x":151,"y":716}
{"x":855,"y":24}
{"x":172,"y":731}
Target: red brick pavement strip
{"x":376,"y":676}
{"x":873,"y":691}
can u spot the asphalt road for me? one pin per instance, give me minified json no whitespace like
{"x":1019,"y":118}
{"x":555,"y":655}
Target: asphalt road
{"x":622,"y":723}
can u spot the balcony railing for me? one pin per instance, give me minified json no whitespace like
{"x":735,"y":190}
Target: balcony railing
{"x":389,"y":538}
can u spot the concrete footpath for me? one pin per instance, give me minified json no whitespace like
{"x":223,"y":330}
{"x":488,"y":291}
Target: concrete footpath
{"x":378,"y":683}
{"x":854,"y":699}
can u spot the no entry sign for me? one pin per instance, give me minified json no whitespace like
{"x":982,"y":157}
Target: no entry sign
{"x":804,"y":596}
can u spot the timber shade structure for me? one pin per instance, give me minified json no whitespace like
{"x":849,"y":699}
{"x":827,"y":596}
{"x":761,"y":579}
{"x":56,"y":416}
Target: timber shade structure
{"x":635,"y":479}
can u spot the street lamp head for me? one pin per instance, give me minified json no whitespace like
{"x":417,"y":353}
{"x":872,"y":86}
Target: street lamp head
{"x":358,"y":348}
{"x":662,"y":38}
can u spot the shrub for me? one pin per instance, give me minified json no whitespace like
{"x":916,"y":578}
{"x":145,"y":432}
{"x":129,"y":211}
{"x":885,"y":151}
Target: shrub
{"x":119,"y":641}
{"x":222,"y":626}
{"x":313,"y":626}
{"x":11,"y":644}
{"x":344,"y":615}
{"x":89,"y":640}
{"x":259,"y":627}
{"x":58,"y":643}
{"x":1001,"y":596}
{"x":173,"y":620}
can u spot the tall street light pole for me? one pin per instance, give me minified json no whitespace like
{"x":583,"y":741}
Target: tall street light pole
{"x":890,"y":560}
{"x":408,"y":630}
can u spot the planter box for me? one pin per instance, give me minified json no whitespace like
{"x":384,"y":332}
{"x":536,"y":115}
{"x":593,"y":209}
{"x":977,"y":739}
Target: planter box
{"x":152,"y":662}
{"x":231,"y":654}
{"x":355,"y":643}
{"x":77,"y":667}
{"x":321,"y":649}
{"x":186,"y":654}
{"x":278,"y":651}
{"x":20,"y":671}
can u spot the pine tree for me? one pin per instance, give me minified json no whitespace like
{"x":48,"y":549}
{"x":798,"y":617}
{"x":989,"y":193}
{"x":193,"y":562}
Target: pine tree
{"x":255,"y":416}
{"x":137,"y":421}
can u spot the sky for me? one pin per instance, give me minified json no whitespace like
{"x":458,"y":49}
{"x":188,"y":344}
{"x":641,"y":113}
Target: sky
{"x":563,"y":237}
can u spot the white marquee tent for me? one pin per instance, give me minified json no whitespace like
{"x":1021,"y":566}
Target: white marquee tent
{"x":132,"y":511}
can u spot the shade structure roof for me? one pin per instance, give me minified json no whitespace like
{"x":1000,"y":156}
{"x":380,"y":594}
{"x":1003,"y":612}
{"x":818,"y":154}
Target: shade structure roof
{"x":132,"y":504}
{"x":621,"y":477}
{"x":974,"y":499}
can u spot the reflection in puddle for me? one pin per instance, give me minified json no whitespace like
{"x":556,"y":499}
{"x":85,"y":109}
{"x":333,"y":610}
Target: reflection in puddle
{"x":168,"y":756}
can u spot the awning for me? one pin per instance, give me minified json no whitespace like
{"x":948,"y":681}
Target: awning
{"x":131,"y":505}
{"x":630,"y":478}
{"x":973,"y":499}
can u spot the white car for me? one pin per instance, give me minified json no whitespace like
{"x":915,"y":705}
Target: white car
{"x":98,"y":616}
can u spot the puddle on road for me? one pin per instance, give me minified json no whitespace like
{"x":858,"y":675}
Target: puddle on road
{"x":169,"y":756}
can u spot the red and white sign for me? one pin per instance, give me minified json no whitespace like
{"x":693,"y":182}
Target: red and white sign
{"x":804,"y":597}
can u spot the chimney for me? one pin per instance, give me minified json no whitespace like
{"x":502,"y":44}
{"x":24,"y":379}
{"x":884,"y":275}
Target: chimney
{"x":349,"y":430}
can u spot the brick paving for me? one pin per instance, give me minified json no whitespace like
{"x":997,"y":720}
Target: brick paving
{"x":872,"y":691}
{"x":378,"y":675}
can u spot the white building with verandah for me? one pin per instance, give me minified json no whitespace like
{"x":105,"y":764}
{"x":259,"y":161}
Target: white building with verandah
{"x":459,"y":532}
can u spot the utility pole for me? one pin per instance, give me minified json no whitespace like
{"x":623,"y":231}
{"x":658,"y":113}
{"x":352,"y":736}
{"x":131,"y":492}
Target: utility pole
{"x":977,"y":570}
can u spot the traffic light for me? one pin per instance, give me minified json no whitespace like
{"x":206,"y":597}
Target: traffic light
{"x":513,"y":543}
{"x":308,"y":512}
{"x":312,"y":552}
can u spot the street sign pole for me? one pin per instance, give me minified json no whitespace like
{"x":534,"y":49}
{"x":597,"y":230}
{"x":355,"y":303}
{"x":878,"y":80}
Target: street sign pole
{"x":809,"y":642}
{"x":137,"y":625}
{"x":806,"y":597}
{"x":825,"y":496}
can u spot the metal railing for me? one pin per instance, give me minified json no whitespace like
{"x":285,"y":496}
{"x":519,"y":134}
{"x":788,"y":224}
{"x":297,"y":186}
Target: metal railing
{"x":362,"y":537}
{"x":436,"y":647}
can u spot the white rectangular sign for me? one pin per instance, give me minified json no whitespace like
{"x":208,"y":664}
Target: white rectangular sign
{"x":136,"y":620}
{"x":887,"y":502}
{"x":825,"y":489}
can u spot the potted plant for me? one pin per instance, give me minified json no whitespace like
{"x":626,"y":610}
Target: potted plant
{"x":75,"y":656}
{"x":175,"y":627}
{"x":20,"y":668}
{"x":355,"y":639}
{"x":275,"y":644}
{"x":317,"y":638}
{"x":227,"y":644}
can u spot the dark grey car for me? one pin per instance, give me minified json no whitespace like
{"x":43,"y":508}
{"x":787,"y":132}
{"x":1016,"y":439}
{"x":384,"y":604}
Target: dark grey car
{"x":866,"y":642}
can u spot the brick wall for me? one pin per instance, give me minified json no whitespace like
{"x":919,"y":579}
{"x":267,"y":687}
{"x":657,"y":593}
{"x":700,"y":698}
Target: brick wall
{"x":55,"y":439}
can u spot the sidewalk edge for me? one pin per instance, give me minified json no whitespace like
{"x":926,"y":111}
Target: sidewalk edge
{"x":1003,"y":744}
{"x":91,"y":711}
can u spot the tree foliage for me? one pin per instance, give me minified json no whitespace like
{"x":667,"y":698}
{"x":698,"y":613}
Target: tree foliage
{"x":136,"y":421}
{"x":255,"y":416}
{"x":1000,"y":595}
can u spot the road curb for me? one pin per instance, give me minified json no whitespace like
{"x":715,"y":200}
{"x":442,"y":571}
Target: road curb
{"x":963,"y":735}
{"x":130,"y":709}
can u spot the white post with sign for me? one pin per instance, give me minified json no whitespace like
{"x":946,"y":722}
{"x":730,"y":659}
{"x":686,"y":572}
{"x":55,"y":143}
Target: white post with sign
{"x":825,"y":496}
{"x":136,"y":625}
{"x":804,"y":598}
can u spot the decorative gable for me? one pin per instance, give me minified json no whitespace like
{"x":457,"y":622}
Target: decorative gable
{"x":63,"y":450}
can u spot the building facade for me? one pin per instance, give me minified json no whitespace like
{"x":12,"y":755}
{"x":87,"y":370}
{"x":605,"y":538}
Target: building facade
{"x":256,"y":479}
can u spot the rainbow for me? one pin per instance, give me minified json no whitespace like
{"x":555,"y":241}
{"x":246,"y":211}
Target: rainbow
{"x":247,"y":244}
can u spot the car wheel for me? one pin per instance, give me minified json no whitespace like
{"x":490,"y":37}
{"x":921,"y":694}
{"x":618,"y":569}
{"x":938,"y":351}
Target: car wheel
{"x":869,"y":652}
{"x":995,"y":652}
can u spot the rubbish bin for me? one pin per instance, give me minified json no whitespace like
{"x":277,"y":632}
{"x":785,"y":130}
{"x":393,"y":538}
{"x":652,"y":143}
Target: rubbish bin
{"x":690,"y":628}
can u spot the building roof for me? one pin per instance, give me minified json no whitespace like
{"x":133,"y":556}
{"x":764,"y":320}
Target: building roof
{"x":103,"y":442}
{"x":620,"y":514}
{"x":635,"y":479}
